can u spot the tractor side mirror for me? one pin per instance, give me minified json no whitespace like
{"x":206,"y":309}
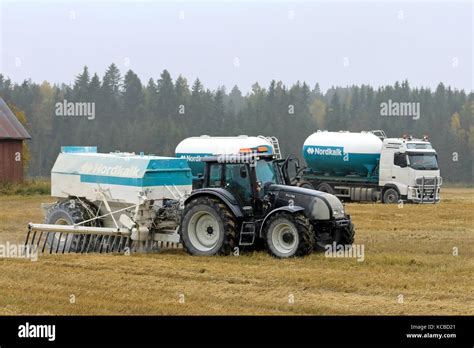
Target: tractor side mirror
{"x":296,"y":164}
{"x":243,"y":172}
{"x":293,"y":168}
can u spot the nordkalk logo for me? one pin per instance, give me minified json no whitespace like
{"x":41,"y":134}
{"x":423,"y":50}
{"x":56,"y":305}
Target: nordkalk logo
{"x":191,"y":158}
{"x":313,"y":150}
{"x":101,"y":169}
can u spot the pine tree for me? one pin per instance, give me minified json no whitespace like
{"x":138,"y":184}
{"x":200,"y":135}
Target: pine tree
{"x":81,"y":86}
{"x":112,"y":81}
{"x":132,"y":95}
{"x":166,"y":102}
{"x":94,"y":87}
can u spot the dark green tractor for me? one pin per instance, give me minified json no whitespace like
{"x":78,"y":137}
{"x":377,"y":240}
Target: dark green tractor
{"x":245,"y":200}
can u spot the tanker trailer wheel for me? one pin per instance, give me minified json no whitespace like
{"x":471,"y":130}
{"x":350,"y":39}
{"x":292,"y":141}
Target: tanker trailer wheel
{"x":66,"y":213}
{"x":325,"y":187}
{"x":288,"y":235}
{"x":390,"y":196}
{"x":306,"y":184}
{"x":208,"y":228}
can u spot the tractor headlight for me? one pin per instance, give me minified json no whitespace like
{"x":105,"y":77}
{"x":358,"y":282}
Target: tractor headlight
{"x":338,"y":213}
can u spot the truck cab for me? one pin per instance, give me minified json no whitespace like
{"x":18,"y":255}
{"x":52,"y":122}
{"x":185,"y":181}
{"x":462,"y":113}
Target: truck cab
{"x":409,"y":170}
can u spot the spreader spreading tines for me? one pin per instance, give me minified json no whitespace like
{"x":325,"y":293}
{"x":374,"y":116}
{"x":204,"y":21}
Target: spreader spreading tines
{"x":46,"y":240}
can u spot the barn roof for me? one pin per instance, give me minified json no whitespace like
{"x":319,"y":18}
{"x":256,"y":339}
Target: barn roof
{"x":10,"y":127}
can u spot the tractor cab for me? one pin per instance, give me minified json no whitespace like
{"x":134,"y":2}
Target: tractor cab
{"x":247,"y":177}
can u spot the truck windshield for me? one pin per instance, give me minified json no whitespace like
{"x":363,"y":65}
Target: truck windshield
{"x":266,"y":172}
{"x":423,"y":161}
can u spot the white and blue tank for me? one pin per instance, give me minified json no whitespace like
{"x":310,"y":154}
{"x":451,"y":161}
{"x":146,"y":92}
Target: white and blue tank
{"x":342,"y":153}
{"x":193,"y":149}
{"x":123,"y":177}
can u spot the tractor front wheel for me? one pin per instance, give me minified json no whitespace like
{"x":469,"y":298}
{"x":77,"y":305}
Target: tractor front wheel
{"x":289,"y":235}
{"x":340,"y":236}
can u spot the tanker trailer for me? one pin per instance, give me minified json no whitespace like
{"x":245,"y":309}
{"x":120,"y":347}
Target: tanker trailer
{"x":194,"y":149}
{"x":368,"y":166}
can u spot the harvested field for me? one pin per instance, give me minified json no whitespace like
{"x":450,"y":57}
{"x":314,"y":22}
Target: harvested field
{"x":408,"y":268}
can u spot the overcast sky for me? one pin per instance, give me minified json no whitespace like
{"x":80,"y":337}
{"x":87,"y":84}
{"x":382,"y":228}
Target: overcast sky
{"x":241,"y":42}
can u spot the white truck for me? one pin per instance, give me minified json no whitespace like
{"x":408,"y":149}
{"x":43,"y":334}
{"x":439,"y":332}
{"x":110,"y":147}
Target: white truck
{"x":368,"y":166}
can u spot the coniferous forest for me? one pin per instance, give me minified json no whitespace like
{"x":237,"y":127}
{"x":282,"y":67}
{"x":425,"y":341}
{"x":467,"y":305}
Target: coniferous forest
{"x":154,"y":116}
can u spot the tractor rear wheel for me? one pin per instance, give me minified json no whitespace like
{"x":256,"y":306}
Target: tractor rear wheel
{"x":289,"y":235}
{"x":208,"y":228}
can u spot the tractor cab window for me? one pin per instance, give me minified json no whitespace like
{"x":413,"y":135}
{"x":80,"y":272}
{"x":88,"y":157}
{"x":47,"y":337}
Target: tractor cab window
{"x":266,"y":172}
{"x":237,"y":181}
{"x":215,"y":179}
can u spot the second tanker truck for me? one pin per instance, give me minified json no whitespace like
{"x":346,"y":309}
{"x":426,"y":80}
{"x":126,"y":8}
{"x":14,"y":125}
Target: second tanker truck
{"x":368,"y":166}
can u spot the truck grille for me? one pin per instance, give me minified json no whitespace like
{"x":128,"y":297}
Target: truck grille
{"x":429,"y":181}
{"x":426,"y":194}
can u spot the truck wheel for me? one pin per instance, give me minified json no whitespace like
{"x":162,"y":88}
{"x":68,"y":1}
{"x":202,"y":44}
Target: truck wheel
{"x":390,"y":196}
{"x":67,"y":213}
{"x":208,"y":228}
{"x":324,"y":187}
{"x":288,"y":235}
{"x":306,"y":184}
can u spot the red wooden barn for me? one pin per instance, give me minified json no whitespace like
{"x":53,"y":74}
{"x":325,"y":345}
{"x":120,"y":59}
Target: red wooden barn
{"x":12,"y":135}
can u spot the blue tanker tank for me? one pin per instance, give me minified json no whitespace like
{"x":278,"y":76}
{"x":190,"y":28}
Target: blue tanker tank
{"x":342,"y":154}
